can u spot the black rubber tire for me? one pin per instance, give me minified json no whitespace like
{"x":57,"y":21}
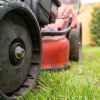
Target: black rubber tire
{"x":13,"y":76}
{"x":75,"y":38}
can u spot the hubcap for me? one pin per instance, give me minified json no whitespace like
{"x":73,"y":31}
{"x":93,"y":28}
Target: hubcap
{"x":17,"y":51}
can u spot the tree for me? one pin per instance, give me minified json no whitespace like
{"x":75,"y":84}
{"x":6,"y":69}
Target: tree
{"x":95,"y":25}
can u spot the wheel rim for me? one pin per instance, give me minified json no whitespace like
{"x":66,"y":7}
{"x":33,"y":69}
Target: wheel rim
{"x":17,"y":51}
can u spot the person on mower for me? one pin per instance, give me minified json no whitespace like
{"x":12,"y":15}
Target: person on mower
{"x":66,"y":16}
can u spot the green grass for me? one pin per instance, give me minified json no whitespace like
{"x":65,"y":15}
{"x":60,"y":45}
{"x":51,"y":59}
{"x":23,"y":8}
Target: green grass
{"x":80,"y":82}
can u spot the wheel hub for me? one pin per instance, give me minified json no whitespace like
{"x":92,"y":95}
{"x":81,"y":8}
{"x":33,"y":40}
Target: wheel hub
{"x":17,"y":51}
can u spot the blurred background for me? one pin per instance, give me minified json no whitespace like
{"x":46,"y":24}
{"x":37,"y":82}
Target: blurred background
{"x":89,"y":12}
{"x":86,"y":16}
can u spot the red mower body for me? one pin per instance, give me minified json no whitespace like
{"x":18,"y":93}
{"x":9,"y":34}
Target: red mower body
{"x":56,"y":49}
{"x":55,"y":52}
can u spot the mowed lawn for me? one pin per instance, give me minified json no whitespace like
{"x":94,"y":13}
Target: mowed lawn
{"x":80,"y":82}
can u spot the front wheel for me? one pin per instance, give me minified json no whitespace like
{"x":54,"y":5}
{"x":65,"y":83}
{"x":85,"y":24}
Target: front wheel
{"x":15,"y":53}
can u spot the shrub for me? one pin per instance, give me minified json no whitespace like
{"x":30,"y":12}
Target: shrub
{"x":95,"y":25}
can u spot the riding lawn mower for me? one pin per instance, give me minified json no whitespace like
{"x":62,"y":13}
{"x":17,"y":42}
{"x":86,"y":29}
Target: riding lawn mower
{"x":34,"y":35}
